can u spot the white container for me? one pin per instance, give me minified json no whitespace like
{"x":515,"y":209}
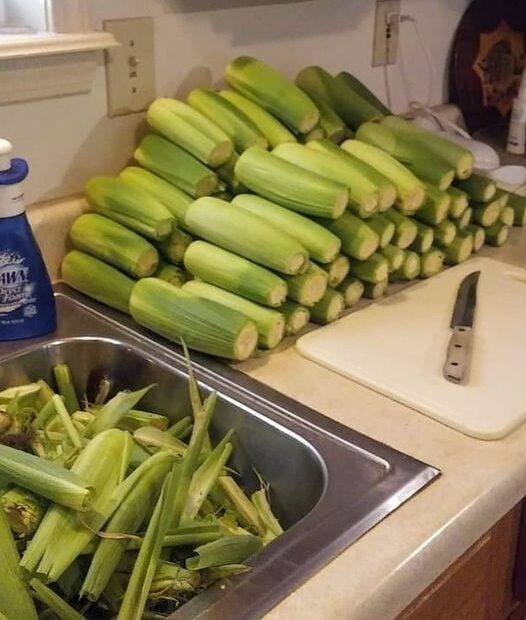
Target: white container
{"x":517,"y":131}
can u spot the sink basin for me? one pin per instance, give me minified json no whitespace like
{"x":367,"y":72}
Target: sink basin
{"x":329,"y":484}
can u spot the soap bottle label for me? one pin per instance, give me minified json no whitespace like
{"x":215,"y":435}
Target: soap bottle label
{"x":16,"y":287}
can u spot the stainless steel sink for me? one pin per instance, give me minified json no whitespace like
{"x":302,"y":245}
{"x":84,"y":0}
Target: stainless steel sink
{"x":329,"y":484}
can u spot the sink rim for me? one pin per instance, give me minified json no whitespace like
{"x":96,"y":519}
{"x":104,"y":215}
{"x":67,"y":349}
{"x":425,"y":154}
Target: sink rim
{"x":329,"y":527}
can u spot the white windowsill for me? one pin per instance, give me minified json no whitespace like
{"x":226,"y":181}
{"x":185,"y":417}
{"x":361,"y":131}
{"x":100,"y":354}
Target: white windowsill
{"x":46,"y":44}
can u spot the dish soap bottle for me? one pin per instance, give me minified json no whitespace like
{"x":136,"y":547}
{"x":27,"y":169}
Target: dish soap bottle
{"x":27,"y":304}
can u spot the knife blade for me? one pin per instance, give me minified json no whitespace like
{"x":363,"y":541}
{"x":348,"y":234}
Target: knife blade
{"x":458,"y":357}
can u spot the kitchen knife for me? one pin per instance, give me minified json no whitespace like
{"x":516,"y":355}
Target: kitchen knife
{"x":456,"y":368}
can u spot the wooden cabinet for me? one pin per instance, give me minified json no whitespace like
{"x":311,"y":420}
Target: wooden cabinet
{"x":479,"y":585}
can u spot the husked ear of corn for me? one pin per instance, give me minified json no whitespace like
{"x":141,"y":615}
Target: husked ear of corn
{"x":175,"y":200}
{"x":269,"y":323}
{"x":130,"y":206}
{"x":176,"y":166}
{"x":114,"y":244}
{"x":361,"y":89}
{"x":235,"y":123}
{"x":358,"y":239}
{"x":322,"y":245}
{"x":235,"y":273}
{"x":309,"y":287}
{"x":274,"y":131}
{"x":192,"y":131}
{"x":204,"y":325}
{"x":174,"y":247}
{"x":246,"y":234}
{"x":329,"y":308}
{"x":296,"y":317}
{"x":271,"y":90}
{"x":98,"y":280}
{"x":290,"y":185}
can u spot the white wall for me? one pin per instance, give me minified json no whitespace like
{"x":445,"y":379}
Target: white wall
{"x":69,"y":139}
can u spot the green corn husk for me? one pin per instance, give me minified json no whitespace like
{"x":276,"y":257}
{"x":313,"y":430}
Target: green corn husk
{"x":66,"y":388}
{"x":205,"y":325}
{"x":150,"y":436}
{"x":290,"y":185}
{"x":410,"y":267}
{"x":113,"y":411}
{"x":176,"y":166}
{"x":135,"y":418}
{"x":61,"y":536}
{"x":459,"y":201}
{"x":497,"y":234}
{"x":338,"y":270}
{"x":317,"y":133}
{"x":66,"y":422}
{"x":374,"y":269}
{"x":458,"y":250}
{"x":269,"y":323}
{"x":394,"y":256}
{"x":24,"y":511}
{"x":205,"y":477}
{"x":226,"y":550}
{"x":266,"y":516}
{"x":424,"y":238}
{"x":190,"y":130}
{"x":174,"y":199}
{"x":296,"y":317}
{"x":174,"y":247}
{"x":172,"y":274}
{"x":114,"y":244}
{"x":171,"y":580}
{"x":375,"y":291}
{"x":131,"y":206}
{"x":227,"y":174}
{"x":479,"y":236}
{"x":444,"y":233}
{"x":309,"y":287}
{"x":270,"y":127}
{"x":127,"y":519}
{"x":98,"y":280}
{"x":44,"y":478}
{"x":435,"y":208}
{"x":383,"y":227}
{"x":15,"y":601}
{"x":352,"y":290}
{"x":235,"y":274}
{"x":431,"y":262}
{"x":331,"y":124}
{"x":329,"y":308}
{"x":272,"y":91}
{"x":235,"y":123}
{"x":248,"y":514}
{"x":54,"y":602}
{"x":358,"y":239}
{"x":361,"y":89}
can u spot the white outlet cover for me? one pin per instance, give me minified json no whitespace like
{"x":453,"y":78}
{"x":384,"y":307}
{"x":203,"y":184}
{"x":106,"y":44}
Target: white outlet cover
{"x":130,"y":68}
{"x":385,"y":48}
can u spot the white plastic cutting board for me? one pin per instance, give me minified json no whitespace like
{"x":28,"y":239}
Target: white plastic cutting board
{"x":397,"y":346}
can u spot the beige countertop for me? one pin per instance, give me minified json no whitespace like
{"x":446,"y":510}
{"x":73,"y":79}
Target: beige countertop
{"x":380,"y":574}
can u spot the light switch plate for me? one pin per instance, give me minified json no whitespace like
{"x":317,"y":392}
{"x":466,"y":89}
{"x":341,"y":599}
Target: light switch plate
{"x":385,"y":44}
{"x":130,"y":68}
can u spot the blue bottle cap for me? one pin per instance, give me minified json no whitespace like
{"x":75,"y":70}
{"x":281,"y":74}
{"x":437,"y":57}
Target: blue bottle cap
{"x":16,"y":174}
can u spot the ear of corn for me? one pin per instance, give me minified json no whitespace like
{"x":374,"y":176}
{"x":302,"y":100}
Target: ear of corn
{"x":296,"y":317}
{"x":376,"y":290}
{"x":204,"y":325}
{"x":486,"y":213}
{"x":329,"y":308}
{"x":458,"y":250}
{"x":352,"y":290}
{"x":374,"y":269}
{"x":338,"y":270}
{"x":235,"y":274}
{"x":174,"y":199}
{"x":410,"y":189}
{"x":464,"y":220}
{"x":444,"y":233}
{"x":507,"y":216}
{"x":458,"y":157}
{"x":98,"y":280}
{"x":227,"y":174}
{"x":191,"y":130}
{"x":174,"y":247}
{"x":290,"y":185}
{"x":321,"y":244}
{"x":394,"y":257}
{"x":409,"y":269}
{"x":309,"y":287}
{"x":518,"y":204}
{"x":131,"y":206}
{"x":171,"y":273}
{"x":479,"y":236}
{"x":459,"y":201}
{"x":358,"y":239}
{"x":235,"y":123}
{"x":497,"y":234}
{"x":244,"y":233}
{"x":361,"y":89}
{"x":114,"y":244}
{"x":478,"y":187}
{"x":386,"y":190}
{"x":271,"y":90}
{"x":424,"y":238}
{"x":383,"y":227}
{"x":435,"y":208}
{"x":176,"y":166}
{"x":269,"y":323}
{"x":363,"y":193}
{"x":270,"y":127}
{"x":431,"y":262}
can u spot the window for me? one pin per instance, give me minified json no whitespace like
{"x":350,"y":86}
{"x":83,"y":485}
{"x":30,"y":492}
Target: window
{"x":38,"y":16}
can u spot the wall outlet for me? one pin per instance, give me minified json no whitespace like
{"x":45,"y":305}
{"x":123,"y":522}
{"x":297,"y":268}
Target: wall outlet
{"x":130,"y":68}
{"x":385,"y":43}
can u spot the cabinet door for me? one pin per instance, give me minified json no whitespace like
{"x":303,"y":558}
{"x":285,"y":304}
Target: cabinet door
{"x":478,"y":586}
